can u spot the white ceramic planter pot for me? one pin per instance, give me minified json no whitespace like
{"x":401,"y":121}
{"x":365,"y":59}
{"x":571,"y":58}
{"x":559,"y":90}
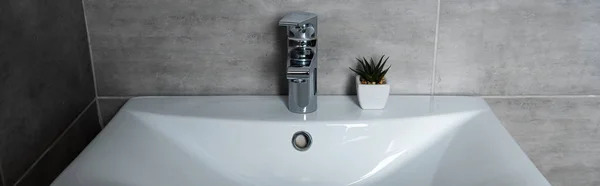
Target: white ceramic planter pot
{"x":372,"y":96}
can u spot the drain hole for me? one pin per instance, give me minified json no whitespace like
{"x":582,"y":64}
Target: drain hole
{"x":301,"y":141}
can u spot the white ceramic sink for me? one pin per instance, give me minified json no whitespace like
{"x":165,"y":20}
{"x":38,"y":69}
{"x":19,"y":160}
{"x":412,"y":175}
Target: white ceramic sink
{"x":247,"y":141}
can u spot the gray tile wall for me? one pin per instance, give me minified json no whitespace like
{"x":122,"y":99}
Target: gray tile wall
{"x":45,"y":79}
{"x":514,"y":47}
{"x":560,"y":135}
{"x":486,"y":47}
{"x":65,"y":149}
{"x":182,"y":47}
{"x":506,"y":48}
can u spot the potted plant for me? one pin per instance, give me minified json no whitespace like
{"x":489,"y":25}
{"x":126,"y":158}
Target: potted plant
{"x":372,"y":87}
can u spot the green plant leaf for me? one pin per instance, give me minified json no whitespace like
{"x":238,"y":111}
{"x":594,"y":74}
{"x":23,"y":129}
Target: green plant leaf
{"x":372,"y":70}
{"x":367,"y":77}
{"x":358,"y":72}
{"x":362,"y":64}
{"x":379,"y":63}
{"x":383,"y":64}
{"x":373,"y":65}
{"x":367,"y":66}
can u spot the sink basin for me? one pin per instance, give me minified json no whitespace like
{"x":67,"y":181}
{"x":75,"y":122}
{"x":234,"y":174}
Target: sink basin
{"x":247,"y":141}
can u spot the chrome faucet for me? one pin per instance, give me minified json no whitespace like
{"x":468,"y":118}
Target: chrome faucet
{"x":301,"y":61}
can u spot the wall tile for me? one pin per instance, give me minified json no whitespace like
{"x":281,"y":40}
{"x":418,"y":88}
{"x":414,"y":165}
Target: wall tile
{"x":45,"y":77}
{"x":66,"y":149}
{"x":183,"y":47}
{"x":560,"y":135}
{"x":110,"y":107}
{"x":511,"y":47}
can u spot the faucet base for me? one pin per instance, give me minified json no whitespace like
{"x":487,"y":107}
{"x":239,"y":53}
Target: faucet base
{"x":303,"y":110}
{"x":302,"y":97}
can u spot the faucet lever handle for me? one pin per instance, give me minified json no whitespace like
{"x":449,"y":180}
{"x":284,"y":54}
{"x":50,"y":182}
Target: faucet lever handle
{"x":296,"y":18}
{"x":298,"y":73}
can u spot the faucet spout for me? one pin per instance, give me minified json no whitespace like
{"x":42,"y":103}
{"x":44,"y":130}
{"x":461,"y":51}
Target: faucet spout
{"x":301,"y":61}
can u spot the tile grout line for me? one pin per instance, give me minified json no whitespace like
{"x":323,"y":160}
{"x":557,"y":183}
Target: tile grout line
{"x":435,"y":49}
{"x":87,"y":30}
{"x":100,"y":119}
{"x":55,"y":142}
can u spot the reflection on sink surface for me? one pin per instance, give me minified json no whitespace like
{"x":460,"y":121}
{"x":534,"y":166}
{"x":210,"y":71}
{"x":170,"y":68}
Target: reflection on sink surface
{"x":245,"y":140}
